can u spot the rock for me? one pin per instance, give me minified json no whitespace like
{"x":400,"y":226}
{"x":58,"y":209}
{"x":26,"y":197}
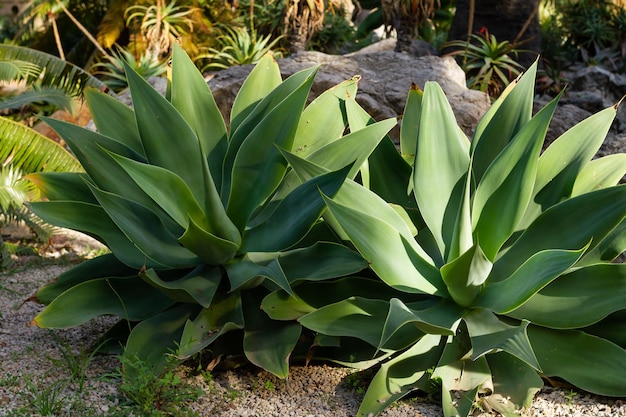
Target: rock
{"x":383,"y":88}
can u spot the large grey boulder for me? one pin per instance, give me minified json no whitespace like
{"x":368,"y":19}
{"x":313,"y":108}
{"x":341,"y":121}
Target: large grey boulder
{"x":386,"y":77}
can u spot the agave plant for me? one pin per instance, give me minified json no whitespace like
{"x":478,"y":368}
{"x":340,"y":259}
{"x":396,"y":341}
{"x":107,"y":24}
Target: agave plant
{"x":492,"y":272}
{"x":202,"y":222}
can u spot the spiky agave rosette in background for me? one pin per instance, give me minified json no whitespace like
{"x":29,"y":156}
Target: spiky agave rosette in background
{"x":495,"y":271}
{"x":202,"y":222}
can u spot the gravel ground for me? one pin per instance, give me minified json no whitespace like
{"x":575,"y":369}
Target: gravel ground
{"x":37,"y":366}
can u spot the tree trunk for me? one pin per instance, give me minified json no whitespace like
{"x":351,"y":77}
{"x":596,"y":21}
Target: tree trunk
{"x":504,"y":19}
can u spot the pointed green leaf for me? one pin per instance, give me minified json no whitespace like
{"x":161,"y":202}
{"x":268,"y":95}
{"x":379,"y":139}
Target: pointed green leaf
{"x":578,"y":299}
{"x":129,"y":298}
{"x":571,"y":355}
{"x":505,"y":190}
{"x":540,"y":269}
{"x":114,"y":119}
{"x":464,"y":277}
{"x":267,"y":343}
{"x":197,"y":286}
{"x":142,"y":227}
{"x":441,"y":318}
{"x":92,"y":220}
{"x":410,"y":122}
{"x":401,"y":375}
{"x":441,"y":166}
{"x":309,"y":296}
{"x":600,"y":173}
{"x":489,"y":334}
{"x":192,"y":97}
{"x":210,"y":248}
{"x":259,"y":167}
{"x":514,"y":383}
{"x":264,"y":77}
{"x":62,"y":186}
{"x":612,"y":246}
{"x":329,"y":107}
{"x":153,"y":340}
{"x":268,"y":106}
{"x":560,"y":165}
{"x":224,"y":314}
{"x":167,"y":138}
{"x":104,"y":266}
{"x":502,"y":121}
{"x":594,"y":215}
{"x":392,"y":254}
{"x":295,"y":214}
{"x":245,"y":272}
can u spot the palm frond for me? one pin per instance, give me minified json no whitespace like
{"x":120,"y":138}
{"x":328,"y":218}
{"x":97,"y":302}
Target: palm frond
{"x":55,"y":72}
{"x":15,"y":69}
{"x":29,"y":151}
{"x":48,"y":95}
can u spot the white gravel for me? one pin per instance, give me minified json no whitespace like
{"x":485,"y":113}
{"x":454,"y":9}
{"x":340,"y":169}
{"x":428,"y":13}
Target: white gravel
{"x":33,"y":371}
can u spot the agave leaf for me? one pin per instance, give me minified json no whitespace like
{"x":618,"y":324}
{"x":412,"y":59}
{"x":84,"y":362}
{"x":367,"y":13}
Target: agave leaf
{"x":101,"y":267}
{"x":441,"y":318}
{"x":514,"y":383}
{"x":611,"y":328}
{"x":440,"y":144}
{"x":114,"y":119}
{"x":600,"y":173}
{"x":391,"y":253}
{"x":94,"y":150}
{"x":259,"y":167}
{"x":612,"y":246}
{"x":167,"y":190}
{"x":507,"y":185}
{"x":224,"y":315}
{"x":92,"y":220}
{"x":389,"y":175}
{"x":267,"y":343}
{"x":464,"y":276}
{"x":295,"y":214}
{"x":331,"y":260}
{"x":192,"y":97}
{"x":352,"y":148}
{"x":246,"y":273}
{"x":273,"y":105}
{"x":264,"y":77}
{"x":196,"y":286}
{"x":537,"y":272}
{"x":153,"y":339}
{"x":210,"y":248}
{"x":503,"y":121}
{"x":577,"y":299}
{"x":329,"y":107}
{"x":167,"y":138}
{"x":489,"y":334}
{"x":410,"y":123}
{"x":310,"y":296}
{"x":144,"y":228}
{"x":129,"y":298}
{"x":353,"y":317}
{"x":594,"y":214}
{"x":57,"y":186}
{"x":401,"y":375}
{"x":560,"y":165}
{"x":571,"y":354}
